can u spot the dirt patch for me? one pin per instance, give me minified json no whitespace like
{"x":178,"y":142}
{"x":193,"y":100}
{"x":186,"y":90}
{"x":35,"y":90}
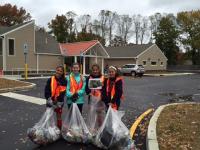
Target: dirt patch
{"x":179,"y":127}
{"x":6,"y":83}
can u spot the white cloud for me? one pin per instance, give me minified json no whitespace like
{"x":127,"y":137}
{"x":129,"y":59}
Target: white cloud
{"x":45,"y":10}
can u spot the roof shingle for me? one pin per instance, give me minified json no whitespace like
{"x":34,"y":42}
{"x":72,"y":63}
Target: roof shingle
{"x":127,"y":51}
{"x":75,"y":49}
{"x":45,"y":43}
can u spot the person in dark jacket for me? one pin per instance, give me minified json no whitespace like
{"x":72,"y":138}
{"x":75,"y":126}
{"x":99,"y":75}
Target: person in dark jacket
{"x":55,"y":92}
{"x":112,"y":91}
{"x":96,"y":74}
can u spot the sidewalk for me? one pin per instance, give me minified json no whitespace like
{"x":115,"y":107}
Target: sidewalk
{"x":166,"y":74}
{"x":18,"y":77}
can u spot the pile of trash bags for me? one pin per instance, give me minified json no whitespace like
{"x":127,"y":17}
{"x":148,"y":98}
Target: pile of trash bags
{"x":113,"y":134}
{"x":74,"y":129}
{"x":104,"y":130}
{"x":46,"y":130}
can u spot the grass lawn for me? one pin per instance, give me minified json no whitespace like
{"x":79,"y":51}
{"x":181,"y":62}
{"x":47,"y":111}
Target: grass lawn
{"x":6,"y":83}
{"x":178,"y":127}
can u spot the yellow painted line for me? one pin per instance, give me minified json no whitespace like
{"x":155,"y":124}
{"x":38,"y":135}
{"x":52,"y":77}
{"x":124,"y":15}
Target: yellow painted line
{"x":137,"y":122}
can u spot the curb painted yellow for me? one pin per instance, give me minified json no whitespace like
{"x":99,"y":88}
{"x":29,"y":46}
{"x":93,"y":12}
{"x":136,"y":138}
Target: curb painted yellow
{"x":137,"y":122}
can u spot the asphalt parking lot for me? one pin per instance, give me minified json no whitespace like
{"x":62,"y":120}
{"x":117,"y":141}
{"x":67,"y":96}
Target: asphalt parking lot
{"x":140,"y":94}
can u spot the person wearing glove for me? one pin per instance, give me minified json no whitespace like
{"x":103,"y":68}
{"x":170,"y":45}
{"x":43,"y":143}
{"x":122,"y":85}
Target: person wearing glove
{"x":55,"y":92}
{"x":112,"y":90}
{"x":75,"y":87}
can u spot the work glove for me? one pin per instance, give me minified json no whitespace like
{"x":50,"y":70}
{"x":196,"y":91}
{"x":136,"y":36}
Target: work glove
{"x":49,"y":102}
{"x":74,"y":97}
{"x":60,"y":104}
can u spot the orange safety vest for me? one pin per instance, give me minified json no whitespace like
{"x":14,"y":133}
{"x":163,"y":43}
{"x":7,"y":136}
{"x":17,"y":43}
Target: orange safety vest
{"x":114,"y":106}
{"x":55,"y":88}
{"x":74,"y":86}
{"x":97,"y":92}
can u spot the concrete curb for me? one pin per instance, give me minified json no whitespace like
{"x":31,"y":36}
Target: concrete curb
{"x":151,"y":140}
{"x":168,"y":74}
{"x":32,"y":85}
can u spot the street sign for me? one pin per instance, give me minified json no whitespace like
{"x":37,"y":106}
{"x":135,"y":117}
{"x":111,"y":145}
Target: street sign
{"x":25,"y":48}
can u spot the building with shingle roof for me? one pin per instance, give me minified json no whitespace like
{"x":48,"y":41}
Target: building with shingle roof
{"x":43,"y":51}
{"x":148,"y":55}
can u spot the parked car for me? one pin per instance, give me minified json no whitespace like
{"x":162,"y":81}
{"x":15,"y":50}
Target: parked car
{"x":132,"y":69}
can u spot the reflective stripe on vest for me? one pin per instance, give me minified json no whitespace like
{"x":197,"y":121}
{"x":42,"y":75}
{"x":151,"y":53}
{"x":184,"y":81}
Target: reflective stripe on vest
{"x":97,"y":92}
{"x":55,"y":88}
{"x":74,"y":86}
{"x":113,"y":87}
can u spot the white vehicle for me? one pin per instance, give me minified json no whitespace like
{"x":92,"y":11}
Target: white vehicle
{"x":132,"y":69}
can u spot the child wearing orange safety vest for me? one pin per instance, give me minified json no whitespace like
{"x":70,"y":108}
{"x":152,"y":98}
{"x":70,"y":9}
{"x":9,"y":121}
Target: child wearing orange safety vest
{"x":76,"y":87}
{"x":96,"y":73}
{"x":112,"y":91}
{"x":55,"y":92}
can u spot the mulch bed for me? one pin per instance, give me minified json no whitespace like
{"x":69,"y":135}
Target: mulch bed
{"x":178,"y":127}
{"x":6,"y":83}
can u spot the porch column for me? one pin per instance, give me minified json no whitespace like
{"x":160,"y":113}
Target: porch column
{"x":4,"y":53}
{"x":102,"y":65}
{"x":83,"y":65}
{"x":96,"y":59}
{"x":37,"y":63}
{"x":75,"y":59}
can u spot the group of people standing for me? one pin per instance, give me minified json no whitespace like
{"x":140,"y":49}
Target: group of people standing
{"x":75,"y":85}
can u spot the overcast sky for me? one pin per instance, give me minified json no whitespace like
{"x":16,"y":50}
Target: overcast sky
{"x":45,"y":10}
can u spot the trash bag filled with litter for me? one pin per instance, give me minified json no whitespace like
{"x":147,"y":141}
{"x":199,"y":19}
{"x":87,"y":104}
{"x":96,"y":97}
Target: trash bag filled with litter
{"x":96,"y":115}
{"x":46,"y":130}
{"x":113,"y":134}
{"x":74,"y":129}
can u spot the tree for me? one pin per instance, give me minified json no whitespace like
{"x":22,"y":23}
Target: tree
{"x":112,"y":16}
{"x":84,"y":21}
{"x":103,"y":22}
{"x":143,"y":29}
{"x":59,"y":27}
{"x":137,"y":27}
{"x":96,"y":27}
{"x":124,"y":23}
{"x":154,"y":23}
{"x":189,"y":23}
{"x":11,"y":15}
{"x":166,"y":37}
{"x":70,"y":15}
{"x":84,"y":36}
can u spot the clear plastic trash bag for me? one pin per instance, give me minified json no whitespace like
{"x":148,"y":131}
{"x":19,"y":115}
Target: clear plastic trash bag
{"x":113,"y":134}
{"x":46,"y":130}
{"x":74,"y":129}
{"x":96,"y":115}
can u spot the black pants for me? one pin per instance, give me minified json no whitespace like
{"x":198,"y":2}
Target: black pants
{"x":80,"y":107}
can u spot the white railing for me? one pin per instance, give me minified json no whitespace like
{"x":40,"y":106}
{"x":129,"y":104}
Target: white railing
{"x":30,"y":70}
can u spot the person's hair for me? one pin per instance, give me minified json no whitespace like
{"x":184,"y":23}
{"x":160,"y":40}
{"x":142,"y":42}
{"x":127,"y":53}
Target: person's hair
{"x":75,"y":64}
{"x":63,"y":75}
{"x":116,"y":70}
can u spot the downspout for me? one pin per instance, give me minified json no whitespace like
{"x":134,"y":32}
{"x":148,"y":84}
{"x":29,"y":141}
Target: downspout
{"x":4,"y":52}
{"x":37,"y":57}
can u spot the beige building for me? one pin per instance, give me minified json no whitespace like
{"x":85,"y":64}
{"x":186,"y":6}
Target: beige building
{"x":42,"y":49}
{"x":148,"y":55}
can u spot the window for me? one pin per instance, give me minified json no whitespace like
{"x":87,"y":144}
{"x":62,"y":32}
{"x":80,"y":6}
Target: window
{"x":1,"y":46}
{"x":161,"y":63}
{"x":144,"y":63}
{"x":11,"y":46}
{"x":131,"y":66}
{"x":153,"y":63}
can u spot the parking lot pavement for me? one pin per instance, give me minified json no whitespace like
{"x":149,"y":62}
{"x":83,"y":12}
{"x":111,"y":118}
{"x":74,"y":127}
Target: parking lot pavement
{"x":140,"y":94}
